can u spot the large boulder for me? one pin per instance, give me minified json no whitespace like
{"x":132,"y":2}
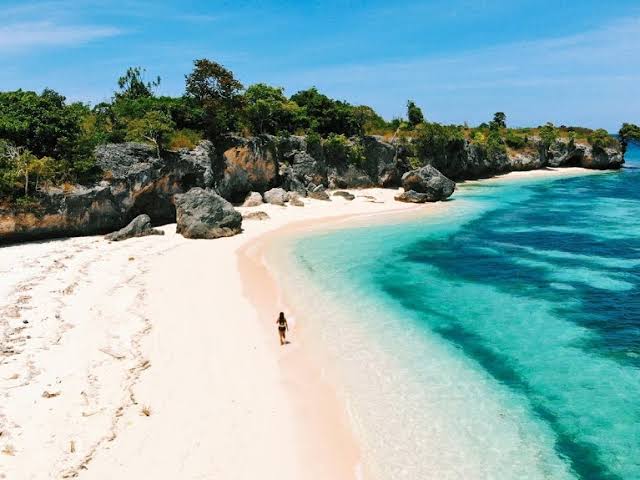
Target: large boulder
{"x":349,"y":176}
{"x":138,"y":227}
{"x":276,"y":196}
{"x":521,"y":161}
{"x":384,"y":161}
{"x":299,"y":169}
{"x":205,"y":214}
{"x":429,"y":181}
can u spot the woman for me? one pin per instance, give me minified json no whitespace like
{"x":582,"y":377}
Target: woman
{"x":283,"y":326}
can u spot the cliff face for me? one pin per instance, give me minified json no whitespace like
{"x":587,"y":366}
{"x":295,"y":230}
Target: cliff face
{"x":136,"y":182}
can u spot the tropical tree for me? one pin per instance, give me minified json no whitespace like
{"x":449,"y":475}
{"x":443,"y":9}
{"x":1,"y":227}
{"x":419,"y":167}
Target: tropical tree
{"x":214,"y":88}
{"x":628,"y":133}
{"x":154,"y":127}
{"x":499,"y":121}
{"x":132,"y":85}
{"x":414,"y":114}
{"x":267,"y":110}
{"x":548,"y":136}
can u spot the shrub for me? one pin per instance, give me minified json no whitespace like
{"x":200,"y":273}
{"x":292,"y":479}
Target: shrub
{"x":184,"y":138}
{"x":601,"y":139}
{"x":513,"y":140}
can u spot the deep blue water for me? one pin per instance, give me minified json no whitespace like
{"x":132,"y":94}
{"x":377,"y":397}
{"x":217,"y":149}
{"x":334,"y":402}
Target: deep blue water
{"x":505,"y":334}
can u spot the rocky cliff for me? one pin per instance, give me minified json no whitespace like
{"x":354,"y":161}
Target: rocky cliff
{"x":135,"y":181}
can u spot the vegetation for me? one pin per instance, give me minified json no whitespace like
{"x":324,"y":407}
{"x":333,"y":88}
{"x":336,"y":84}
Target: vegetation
{"x":45,"y":140}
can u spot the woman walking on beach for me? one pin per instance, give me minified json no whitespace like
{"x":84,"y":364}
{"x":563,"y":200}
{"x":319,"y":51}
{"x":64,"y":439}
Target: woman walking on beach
{"x":283,"y":326}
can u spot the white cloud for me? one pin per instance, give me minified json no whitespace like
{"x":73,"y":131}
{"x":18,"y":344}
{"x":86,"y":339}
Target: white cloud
{"x":29,"y":35}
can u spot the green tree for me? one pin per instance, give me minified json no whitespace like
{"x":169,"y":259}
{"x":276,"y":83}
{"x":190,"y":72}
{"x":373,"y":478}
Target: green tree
{"x":548,"y":136}
{"x":155,"y":127}
{"x":132,"y":85}
{"x":499,"y":121}
{"x":435,"y":143}
{"x":628,"y":133}
{"x":214,"y":89}
{"x":414,"y":114}
{"x":326,"y":116}
{"x":267,"y":110}
{"x":600,"y":138}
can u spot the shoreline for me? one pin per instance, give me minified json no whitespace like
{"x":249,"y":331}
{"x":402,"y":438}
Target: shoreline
{"x":192,"y":342}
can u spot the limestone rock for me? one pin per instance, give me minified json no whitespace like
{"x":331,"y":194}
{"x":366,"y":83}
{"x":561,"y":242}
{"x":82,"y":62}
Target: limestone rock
{"x":205,"y":214}
{"x":259,"y":215}
{"x":138,"y":227}
{"x":253,"y":199}
{"x":295,"y":200}
{"x":319,"y":193}
{"x":276,"y":196}
{"x":412,"y":197}
{"x":429,"y":181}
{"x":343,"y":194}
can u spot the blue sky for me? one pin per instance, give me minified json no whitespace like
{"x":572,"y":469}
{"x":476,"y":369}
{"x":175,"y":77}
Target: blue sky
{"x":570,"y":62}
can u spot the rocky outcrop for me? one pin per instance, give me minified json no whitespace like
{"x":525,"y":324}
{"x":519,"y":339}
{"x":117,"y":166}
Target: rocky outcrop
{"x":138,"y":227}
{"x":135,"y":181}
{"x":276,"y":196}
{"x":603,"y":159}
{"x":248,"y":164}
{"x":204,"y":214}
{"x":429,"y":182}
{"x":253,"y":199}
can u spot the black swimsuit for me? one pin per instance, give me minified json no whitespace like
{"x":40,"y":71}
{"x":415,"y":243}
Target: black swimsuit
{"x":282,"y":325}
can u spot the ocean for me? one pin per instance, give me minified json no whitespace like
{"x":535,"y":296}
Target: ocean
{"x":499,"y":339}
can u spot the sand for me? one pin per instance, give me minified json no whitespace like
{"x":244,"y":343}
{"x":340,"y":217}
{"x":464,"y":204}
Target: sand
{"x":158,"y":357}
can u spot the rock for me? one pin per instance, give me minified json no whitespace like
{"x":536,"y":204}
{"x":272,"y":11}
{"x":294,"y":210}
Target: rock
{"x":249,"y":164}
{"x":412,"y":197}
{"x":429,"y":181}
{"x":521,"y":161}
{"x":349,"y":177}
{"x":295,"y":200}
{"x":205,"y":214}
{"x":319,"y":193}
{"x":259,"y":215}
{"x":602,"y":159}
{"x":276,"y":196}
{"x":384,"y":161}
{"x":300,"y":169}
{"x":343,"y":194}
{"x":138,"y":227}
{"x":254,"y":199}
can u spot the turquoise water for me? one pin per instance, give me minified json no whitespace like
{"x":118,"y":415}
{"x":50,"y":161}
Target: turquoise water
{"x":499,"y":340}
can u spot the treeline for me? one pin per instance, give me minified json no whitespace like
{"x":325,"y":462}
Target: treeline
{"x":44,"y":140}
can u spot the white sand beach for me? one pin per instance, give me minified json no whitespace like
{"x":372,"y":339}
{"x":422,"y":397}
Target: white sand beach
{"x":158,"y":357}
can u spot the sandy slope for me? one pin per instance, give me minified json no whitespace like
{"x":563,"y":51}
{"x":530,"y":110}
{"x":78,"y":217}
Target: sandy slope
{"x":96,"y":334}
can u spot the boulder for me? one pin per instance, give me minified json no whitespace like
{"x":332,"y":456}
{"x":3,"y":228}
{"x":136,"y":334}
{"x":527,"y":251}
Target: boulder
{"x":521,"y":161}
{"x":299,"y":169}
{"x":349,"y":177}
{"x":429,"y":181}
{"x":343,"y":194}
{"x":254,"y":199}
{"x":205,"y":214}
{"x":138,"y":227}
{"x":295,"y":200}
{"x":259,"y":215}
{"x":276,"y":196}
{"x":412,"y":197}
{"x":319,"y":193}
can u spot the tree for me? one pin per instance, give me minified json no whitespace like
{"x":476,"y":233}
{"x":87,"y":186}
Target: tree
{"x":267,"y":110}
{"x":326,"y":116}
{"x":548,"y":136}
{"x":499,"y":121}
{"x":437,"y":144}
{"x":600,"y":138}
{"x":414,"y":114}
{"x":217,"y":92}
{"x":628,"y":133}
{"x":132,"y":85}
{"x":154,"y":127}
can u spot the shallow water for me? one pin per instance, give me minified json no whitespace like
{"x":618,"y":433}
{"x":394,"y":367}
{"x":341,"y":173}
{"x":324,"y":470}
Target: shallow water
{"x":499,"y":341}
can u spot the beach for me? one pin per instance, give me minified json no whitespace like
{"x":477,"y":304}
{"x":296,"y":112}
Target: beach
{"x":158,"y":357}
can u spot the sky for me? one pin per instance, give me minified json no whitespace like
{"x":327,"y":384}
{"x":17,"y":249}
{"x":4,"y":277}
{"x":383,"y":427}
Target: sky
{"x":568,"y":62}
